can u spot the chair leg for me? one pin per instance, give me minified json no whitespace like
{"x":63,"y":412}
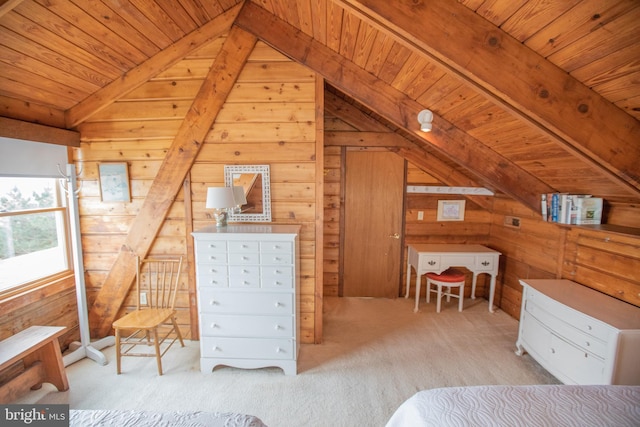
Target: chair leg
{"x":157,"y":346}
{"x":175,"y":327}
{"x":461,"y":297}
{"x":118,"y":356}
{"x":439,"y":298}
{"x":428,"y":291}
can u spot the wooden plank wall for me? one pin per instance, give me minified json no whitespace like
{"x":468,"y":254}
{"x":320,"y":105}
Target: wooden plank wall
{"x":473,"y":230}
{"x":604,"y":260}
{"x":51,"y":304}
{"x":269,"y":118}
{"x":273,"y":102}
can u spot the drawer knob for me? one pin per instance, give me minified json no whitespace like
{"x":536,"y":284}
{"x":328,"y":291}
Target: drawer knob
{"x":213,"y":325}
{"x":431,"y":263}
{"x":213,"y":302}
{"x":244,"y":258}
{"x":589,"y":327}
{"x":279,"y":350}
{"x":485,"y":263}
{"x":278,"y":327}
{"x":278,"y":283}
{"x":278,"y":304}
{"x":553,"y":351}
{"x":278,"y":259}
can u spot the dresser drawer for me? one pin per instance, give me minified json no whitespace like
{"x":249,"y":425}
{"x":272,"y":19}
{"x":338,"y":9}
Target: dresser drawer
{"x":218,"y":301}
{"x":276,"y":247}
{"x":215,"y":258}
{"x":248,"y":348}
{"x":229,"y":325}
{"x":277,"y":277}
{"x":244,"y":258}
{"x":572,"y":317}
{"x":243,"y":246}
{"x":276,"y":258}
{"x":580,"y":366}
{"x":570,"y":333}
{"x":210,"y":247}
{"x":213,"y":280}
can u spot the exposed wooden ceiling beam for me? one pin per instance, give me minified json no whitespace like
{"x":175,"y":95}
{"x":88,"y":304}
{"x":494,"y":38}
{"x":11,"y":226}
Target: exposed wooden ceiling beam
{"x":150,"y":68}
{"x":491,"y":168}
{"x":177,"y":163}
{"x":534,"y":88}
{"x":17,"y":129}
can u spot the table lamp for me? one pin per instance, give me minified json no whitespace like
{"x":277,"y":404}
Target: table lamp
{"x":220,"y":199}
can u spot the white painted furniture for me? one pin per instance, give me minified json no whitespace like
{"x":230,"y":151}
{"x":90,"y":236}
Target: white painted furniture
{"x":578,"y":334}
{"x":248,"y":296}
{"x":437,"y":258}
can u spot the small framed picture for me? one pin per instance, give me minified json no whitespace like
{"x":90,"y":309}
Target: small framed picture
{"x":114,"y":182}
{"x":451,"y":210}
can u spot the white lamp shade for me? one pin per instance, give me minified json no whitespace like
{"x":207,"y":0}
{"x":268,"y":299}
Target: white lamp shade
{"x":239,"y":196}
{"x":220,"y":198}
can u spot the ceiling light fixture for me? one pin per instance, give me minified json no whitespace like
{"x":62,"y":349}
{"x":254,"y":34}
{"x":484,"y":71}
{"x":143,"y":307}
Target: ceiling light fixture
{"x":425,"y":117}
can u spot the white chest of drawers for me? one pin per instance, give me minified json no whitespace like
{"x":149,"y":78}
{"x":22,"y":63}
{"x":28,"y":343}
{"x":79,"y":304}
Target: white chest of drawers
{"x":248,"y":296}
{"x":579,"y":335}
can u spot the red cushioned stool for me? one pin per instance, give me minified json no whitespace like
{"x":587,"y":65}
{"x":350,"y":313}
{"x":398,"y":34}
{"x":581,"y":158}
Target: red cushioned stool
{"x":450,"y":278}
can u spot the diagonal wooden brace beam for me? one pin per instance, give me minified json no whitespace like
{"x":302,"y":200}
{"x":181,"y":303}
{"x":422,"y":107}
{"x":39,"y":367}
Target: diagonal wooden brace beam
{"x":177,"y":163}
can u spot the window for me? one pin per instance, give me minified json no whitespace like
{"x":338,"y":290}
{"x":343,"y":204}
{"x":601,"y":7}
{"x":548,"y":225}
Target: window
{"x":33,"y":232}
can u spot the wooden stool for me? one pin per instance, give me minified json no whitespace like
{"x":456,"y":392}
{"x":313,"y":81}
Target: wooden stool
{"x":450,"y":278}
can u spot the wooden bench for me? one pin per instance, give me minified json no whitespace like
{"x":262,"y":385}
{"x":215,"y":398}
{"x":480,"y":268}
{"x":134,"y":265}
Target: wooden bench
{"x":39,"y":350}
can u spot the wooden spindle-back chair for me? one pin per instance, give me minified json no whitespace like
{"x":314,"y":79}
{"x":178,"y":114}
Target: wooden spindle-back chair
{"x":157,"y":283}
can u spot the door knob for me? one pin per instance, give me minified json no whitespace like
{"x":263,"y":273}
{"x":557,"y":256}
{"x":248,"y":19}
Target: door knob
{"x":394,"y":235}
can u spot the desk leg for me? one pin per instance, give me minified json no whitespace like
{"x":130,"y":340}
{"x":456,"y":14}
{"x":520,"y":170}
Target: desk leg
{"x":406,"y":295}
{"x":492,"y":291}
{"x":473,"y":285}
{"x":418,"y":283}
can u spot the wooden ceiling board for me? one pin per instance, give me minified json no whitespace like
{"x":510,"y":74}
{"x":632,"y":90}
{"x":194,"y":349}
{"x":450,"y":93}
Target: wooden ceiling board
{"x":533,"y":16}
{"x":617,"y":34}
{"x":498,"y":11}
{"x":584,"y":18}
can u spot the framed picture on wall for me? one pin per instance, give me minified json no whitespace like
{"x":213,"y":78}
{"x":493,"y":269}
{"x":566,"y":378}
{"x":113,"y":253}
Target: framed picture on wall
{"x":114,"y":182}
{"x":451,"y":210}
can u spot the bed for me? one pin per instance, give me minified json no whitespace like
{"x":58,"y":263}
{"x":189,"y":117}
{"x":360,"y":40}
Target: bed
{"x":540,"y":405}
{"x":130,"y":418}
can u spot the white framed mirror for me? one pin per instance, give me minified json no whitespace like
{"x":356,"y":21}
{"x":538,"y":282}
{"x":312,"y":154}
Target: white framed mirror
{"x":255,"y":182}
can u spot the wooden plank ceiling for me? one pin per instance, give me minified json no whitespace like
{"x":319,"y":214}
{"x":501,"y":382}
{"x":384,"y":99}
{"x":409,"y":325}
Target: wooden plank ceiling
{"x":528,"y":95}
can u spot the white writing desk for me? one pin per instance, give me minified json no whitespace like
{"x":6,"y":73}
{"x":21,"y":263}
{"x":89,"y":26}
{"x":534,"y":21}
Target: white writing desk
{"x":436,"y":258}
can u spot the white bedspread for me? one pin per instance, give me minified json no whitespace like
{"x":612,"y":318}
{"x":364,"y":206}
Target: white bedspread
{"x":127,"y":418}
{"x":509,"y":406}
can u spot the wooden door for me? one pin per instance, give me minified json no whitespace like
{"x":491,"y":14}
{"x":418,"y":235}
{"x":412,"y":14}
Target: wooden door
{"x":374,"y":182}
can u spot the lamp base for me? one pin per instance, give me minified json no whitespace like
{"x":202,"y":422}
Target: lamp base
{"x":220,"y":217}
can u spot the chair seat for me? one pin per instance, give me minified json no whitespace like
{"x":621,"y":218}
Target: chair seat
{"x":449,"y":276}
{"x":144,"y":319}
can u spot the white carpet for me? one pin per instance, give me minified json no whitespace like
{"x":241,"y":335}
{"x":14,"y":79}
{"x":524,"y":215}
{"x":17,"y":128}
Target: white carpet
{"x":376,"y":353}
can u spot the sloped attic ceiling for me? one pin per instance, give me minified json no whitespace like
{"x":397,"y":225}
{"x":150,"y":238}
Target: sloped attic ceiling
{"x":529,"y":96}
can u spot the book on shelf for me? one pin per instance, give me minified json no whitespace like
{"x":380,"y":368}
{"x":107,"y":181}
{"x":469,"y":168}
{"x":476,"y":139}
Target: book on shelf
{"x":565,"y":208}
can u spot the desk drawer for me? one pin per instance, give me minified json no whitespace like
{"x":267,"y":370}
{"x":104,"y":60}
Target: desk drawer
{"x":248,"y":348}
{"x":429,"y":262}
{"x":486,"y":263}
{"x":276,"y":247}
{"x":229,"y":325}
